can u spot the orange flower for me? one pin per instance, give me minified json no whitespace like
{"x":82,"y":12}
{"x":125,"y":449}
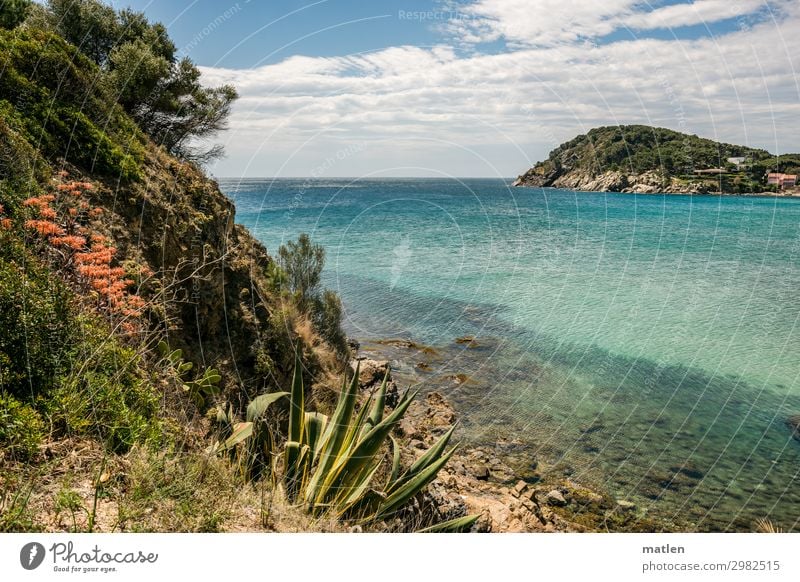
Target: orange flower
{"x":47,"y":213}
{"x":6,"y":223}
{"x":44,"y":228}
{"x":73,"y":242}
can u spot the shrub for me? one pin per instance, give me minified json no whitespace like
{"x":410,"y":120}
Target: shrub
{"x":332,"y":464}
{"x":21,"y":428}
{"x":35,"y":322}
{"x":105,"y":394}
{"x":13,"y":12}
{"x":301,"y":264}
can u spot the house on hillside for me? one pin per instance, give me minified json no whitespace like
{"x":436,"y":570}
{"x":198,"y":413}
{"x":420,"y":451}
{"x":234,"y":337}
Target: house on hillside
{"x":738,"y":162}
{"x":782,"y":181}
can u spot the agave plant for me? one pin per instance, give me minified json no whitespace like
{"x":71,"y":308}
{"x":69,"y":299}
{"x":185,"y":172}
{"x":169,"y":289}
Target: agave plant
{"x":331,"y":464}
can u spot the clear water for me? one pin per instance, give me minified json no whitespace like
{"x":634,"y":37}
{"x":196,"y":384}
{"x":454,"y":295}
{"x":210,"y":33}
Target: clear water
{"x":649,"y":344}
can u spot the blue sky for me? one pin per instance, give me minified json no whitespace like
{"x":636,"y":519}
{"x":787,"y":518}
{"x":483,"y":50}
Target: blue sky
{"x":482,"y":87}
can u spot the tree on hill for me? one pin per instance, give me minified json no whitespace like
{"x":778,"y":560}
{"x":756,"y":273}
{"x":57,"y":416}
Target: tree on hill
{"x":144,"y":74}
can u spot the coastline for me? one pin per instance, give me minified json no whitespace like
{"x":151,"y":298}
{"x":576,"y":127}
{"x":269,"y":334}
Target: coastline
{"x":793,"y":194}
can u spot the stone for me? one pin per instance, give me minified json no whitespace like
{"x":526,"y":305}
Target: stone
{"x":481,"y":472}
{"x":372,"y":372}
{"x":407,"y":429}
{"x":556,"y":498}
{"x":519,"y":488}
{"x":793,"y":422}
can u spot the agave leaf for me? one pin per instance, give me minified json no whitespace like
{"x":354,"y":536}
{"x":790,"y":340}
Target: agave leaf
{"x":241,"y":432}
{"x":430,"y":456}
{"x":395,"y":462}
{"x":295,"y":454}
{"x":297,"y":403}
{"x":259,"y":405}
{"x":376,"y":415}
{"x":333,"y":439}
{"x":315,"y":425}
{"x":351,"y":468}
{"x":403,"y":493}
{"x":348,"y":496}
{"x":458,"y":525}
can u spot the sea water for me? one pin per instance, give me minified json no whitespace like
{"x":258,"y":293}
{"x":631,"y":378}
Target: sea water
{"x":647,"y":344}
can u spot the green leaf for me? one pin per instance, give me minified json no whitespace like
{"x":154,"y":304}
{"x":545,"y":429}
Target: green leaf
{"x":297,"y":403}
{"x":259,"y":405}
{"x":241,"y":432}
{"x":458,"y":525}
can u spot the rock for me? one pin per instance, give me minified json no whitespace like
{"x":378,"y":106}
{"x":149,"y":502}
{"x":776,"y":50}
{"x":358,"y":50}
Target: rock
{"x":556,"y":498}
{"x":372,"y":372}
{"x":392,"y":395}
{"x":481,"y":472}
{"x":468,"y":341}
{"x":519,"y":488}
{"x":793,"y":422}
{"x":353,"y":345}
{"x":407,"y":429}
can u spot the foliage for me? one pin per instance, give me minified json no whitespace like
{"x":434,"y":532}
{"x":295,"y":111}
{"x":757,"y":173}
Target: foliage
{"x":142,"y":70}
{"x":21,"y":428}
{"x":49,"y":97}
{"x":35,"y":322}
{"x":302,"y":261}
{"x":301,"y":264}
{"x":202,"y":388}
{"x":641,"y":148}
{"x":13,"y":12}
{"x":105,"y":394}
{"x":331,"y":464}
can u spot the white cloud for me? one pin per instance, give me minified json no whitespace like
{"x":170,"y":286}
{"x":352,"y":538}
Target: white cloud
{"x":496,"y":114}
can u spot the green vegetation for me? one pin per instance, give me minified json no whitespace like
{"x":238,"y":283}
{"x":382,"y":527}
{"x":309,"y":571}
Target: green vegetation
{"x":636,"y":149}
{"x":331,"y":464}
{"x":301,"y":263}
{"x":117,"y":337}
{"x":13,"y":12}
{"x":143,"y":73}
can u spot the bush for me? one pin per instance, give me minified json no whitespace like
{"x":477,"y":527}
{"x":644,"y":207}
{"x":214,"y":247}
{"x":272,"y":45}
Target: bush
{"x":105,"y":394}
{"x":35,"y":323}
{"x":13,"y":12}
{"x":302,"y":263}
{"x":21,"y":428}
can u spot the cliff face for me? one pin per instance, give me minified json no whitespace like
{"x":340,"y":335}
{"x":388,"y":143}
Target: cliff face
{"x":644,"y":159}
{"x":209,"y":291}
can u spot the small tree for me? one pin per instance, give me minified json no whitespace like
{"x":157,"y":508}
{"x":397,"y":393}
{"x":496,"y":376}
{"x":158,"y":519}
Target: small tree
{"x":143,"y":74}
{"x":13,"y":12}
{"x":303,"y":262}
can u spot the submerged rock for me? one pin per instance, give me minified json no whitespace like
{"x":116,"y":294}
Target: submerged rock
{"x":793,"y":422}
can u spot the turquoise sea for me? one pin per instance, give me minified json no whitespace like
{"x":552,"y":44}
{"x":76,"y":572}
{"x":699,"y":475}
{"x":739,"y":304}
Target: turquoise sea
{"x":647,"y":344}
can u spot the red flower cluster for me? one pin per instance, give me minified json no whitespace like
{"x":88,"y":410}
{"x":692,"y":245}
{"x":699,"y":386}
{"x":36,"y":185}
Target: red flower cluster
{"x":65,"y":228}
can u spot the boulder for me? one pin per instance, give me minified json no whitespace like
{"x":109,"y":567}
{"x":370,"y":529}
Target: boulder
{"x":556,"y":498}
{"x":793,"y":422}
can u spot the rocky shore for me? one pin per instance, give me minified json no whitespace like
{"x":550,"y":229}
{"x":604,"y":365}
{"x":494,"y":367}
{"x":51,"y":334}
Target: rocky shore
{"x":651,"y":182}
{"x":480,"y":480}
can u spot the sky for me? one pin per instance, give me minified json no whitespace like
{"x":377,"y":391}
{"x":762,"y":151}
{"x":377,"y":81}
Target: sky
{"x":481,"y":88}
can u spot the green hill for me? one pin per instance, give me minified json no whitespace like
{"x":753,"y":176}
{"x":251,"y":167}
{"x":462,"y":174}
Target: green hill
{"x":640,"y":158}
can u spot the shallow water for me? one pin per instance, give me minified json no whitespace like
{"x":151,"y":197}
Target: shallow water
{"x":646,"y":343}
